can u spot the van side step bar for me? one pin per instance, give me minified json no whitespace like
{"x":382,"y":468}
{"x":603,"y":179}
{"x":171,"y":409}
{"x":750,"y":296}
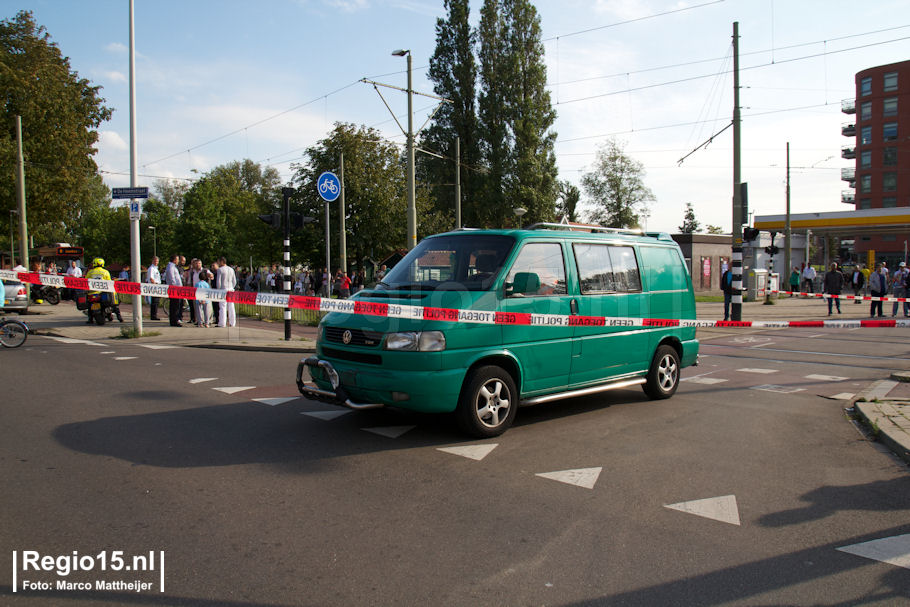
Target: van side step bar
{"x":616,"y":385}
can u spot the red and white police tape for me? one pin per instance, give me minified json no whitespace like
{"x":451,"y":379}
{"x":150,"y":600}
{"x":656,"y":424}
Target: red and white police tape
{"x":351,"y":306}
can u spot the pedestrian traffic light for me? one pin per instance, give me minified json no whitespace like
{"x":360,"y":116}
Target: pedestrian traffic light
{"x":272,"y":219}
{"x":750,"y":233}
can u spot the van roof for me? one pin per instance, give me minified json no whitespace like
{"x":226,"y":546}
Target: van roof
{"x":561,"y":231}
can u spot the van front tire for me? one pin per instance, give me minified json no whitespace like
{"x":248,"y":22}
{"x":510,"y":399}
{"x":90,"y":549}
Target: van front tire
{"x":663,"y":376}
{"x":488,"y":402}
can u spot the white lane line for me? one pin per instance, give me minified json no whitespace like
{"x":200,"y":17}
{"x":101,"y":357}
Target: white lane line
{"x":199,"y":380}
{"x":389,"y":431}
{"x":71,"y":340}
{"x":580,"y":477}
{"x":892,"y":550}
{"x":124,"y":357}
{"x":721,"y":509}
{"x":158,"y":346}
{"x":474,"y":452}
{"x":827,"y":377}
{"x":108,"y":352}
{"x":763,"y":371}
{"x":325,"y":415}
{"x":778,"y":389}
{"x":708,"y":381}
{"x":234,"y":389}
{"x":275,"y":401}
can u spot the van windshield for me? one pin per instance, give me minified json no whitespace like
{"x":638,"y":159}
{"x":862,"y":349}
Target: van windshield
{"x":450,"y":263}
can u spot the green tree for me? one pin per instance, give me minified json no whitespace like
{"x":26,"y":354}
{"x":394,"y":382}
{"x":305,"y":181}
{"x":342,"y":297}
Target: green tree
{"x":60,"y":115}
{"x":711,"y":229}
{"x":616,"y":187}
{"x":453,"y":72}
{"x":690,"y":224}
{"x":567,"y":201}
{"x":374,"y":187}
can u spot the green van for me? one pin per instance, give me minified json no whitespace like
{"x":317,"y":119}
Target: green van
{"x":479,"y":322}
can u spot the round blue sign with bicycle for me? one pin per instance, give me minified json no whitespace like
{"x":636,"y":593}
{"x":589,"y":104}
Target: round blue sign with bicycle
{"x":329,"y":186}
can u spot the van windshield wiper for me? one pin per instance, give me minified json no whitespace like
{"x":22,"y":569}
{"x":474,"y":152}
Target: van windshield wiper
{"x":417,"y":286}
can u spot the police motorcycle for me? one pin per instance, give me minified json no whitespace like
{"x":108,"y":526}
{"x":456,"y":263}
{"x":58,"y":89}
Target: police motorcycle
{"x":99,"y":306}
{"x":46,"y":293}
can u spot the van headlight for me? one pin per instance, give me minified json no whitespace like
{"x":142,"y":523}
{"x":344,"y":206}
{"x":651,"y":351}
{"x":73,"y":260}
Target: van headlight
{"x":416,"y":341}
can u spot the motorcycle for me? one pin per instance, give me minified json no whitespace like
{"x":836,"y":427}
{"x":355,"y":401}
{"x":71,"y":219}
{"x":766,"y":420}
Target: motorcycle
{"x":43,"y":292}
{"x":100,"y":307}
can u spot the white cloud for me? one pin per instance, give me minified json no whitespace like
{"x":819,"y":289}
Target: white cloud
{"x":111,"y":141}
{"x":348,"y":6}
{"x":115,"y":76}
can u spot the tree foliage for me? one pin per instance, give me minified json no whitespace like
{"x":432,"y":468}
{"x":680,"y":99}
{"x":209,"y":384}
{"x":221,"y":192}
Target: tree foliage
{"x":616,"y":187}
{"x":567,"y":201}
{"x":690,"y":224}
{"x":60,"y":114}
{"x":712,"y":229}
{"x":453,"y":71}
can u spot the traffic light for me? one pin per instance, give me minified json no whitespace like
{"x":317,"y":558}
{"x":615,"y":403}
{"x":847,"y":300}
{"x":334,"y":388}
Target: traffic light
{"x":272,"y":219}
{"x":772,"y":250}
{"x":750,"y":233}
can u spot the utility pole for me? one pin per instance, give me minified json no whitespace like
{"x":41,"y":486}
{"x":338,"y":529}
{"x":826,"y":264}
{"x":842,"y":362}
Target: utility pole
{"x":788,"y":254}
{"x":457,"y":183}
{"x":412,"y":196}
{"x":136,"y":259}
{"x":20,"y":197}
{"x":736,"y":311}
{"x":286,"y":194}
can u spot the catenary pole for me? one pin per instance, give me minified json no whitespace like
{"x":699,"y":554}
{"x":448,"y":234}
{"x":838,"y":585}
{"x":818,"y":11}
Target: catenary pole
{"x":136,"y":259}
{"x":788,"y":255}
{"x":457,"y":182}
{"x":412,"y":204}
{"x":736,"y":311}
{"x":20,"y":197}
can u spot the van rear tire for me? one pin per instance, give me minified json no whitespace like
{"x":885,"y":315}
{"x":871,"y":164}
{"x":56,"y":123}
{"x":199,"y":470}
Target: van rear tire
{"x":663,"y":376}
{"x":488,"y":402}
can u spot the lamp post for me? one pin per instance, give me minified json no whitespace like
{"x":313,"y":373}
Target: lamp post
{"x":519,"y":213}
{"x":412,"y":207}
{"x":154,"y":241}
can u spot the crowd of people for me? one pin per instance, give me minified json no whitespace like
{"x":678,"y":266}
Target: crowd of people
{"x":202,"y":313}
{"x":862,"y":281}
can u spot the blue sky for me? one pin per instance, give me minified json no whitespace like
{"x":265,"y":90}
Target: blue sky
{"x":223,"y":80}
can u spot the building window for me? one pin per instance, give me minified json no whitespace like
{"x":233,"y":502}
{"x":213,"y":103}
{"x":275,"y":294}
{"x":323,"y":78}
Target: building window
{"x":865,"y":111}
{"x":865,"y":86}
{"x":865,"y":159}
{"x":865,"y":135}
{"x":889,"y":157}
{"x":889,"y":202}
{"x":890,"y":107}
{"x":890,"y":131}
{"x":891,"y":81}
{"x":865,"y":203}
{"x":865,"y":184}
{"x":889,"y":182}
{"x":889,"y":237}
{"x":867,"y":238}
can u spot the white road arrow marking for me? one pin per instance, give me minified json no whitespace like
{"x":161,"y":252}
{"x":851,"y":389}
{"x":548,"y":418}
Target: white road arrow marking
{"x":325,"y":415}
{"x":892,"y":550}
{"x":199,"y":380}
{"x":234,"y":390}
{"x":580,"y":477}
{"x":275,"y":401}
{"x":721,"y":509}
{"x":475,"y":452}
{"x":389,"y":431}
{"x":827,"y":377}
{"x":158,"y":346}
{"x":704,"y":380}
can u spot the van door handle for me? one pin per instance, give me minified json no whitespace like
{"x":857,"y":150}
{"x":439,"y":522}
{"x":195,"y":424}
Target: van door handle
{"x":573,"y":307}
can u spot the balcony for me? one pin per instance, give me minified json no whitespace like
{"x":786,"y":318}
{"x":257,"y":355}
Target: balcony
{"x":848,"y":129}
{"x":848,"y":106}
{"x":848,"y":152}
{"x":848,"y":174}
{"x":848,"y":196}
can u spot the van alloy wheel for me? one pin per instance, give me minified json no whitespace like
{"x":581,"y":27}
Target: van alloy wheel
{"x":488,"y":402}
{"x":663,"y":376}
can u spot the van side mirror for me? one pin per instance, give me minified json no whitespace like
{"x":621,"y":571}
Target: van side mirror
{"x":525,"y":282}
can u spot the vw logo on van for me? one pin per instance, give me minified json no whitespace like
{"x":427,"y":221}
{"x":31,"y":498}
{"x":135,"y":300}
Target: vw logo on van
{"x":346,"y":337}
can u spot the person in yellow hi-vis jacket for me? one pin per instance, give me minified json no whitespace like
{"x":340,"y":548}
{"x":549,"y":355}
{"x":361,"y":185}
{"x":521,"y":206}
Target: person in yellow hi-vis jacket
{"x":98,"y":271}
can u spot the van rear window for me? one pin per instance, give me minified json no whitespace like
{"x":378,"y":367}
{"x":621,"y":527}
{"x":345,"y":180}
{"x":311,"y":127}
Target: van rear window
{"x":606,"y":269}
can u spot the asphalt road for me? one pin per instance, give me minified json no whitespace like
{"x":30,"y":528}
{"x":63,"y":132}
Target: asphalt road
{"x":749,"y":487}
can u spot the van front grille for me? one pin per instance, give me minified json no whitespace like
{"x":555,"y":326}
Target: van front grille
{"x":358,"y":337}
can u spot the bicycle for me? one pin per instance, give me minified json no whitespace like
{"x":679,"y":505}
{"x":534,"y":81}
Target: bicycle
{"x":12,"y":332}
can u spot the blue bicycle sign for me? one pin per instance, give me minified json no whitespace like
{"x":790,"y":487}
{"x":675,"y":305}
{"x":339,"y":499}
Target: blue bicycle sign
{"x":329,"y":186}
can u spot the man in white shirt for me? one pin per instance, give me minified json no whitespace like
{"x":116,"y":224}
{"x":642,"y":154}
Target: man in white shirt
{"x":172,"y":278}
{"x":153,"y":277}
{"x":227,"y":281}
{"x":76,"y":272}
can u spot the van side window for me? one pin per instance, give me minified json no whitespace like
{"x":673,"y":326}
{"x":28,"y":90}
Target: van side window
{"x":606,"y":269}
{"x":666,"y":270}
{"x":545,"y":260}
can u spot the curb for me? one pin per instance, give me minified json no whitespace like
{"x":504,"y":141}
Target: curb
{"x":878,"y":411}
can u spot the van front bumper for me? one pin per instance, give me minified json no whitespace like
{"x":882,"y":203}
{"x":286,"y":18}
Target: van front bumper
{"x":336,"y":396}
